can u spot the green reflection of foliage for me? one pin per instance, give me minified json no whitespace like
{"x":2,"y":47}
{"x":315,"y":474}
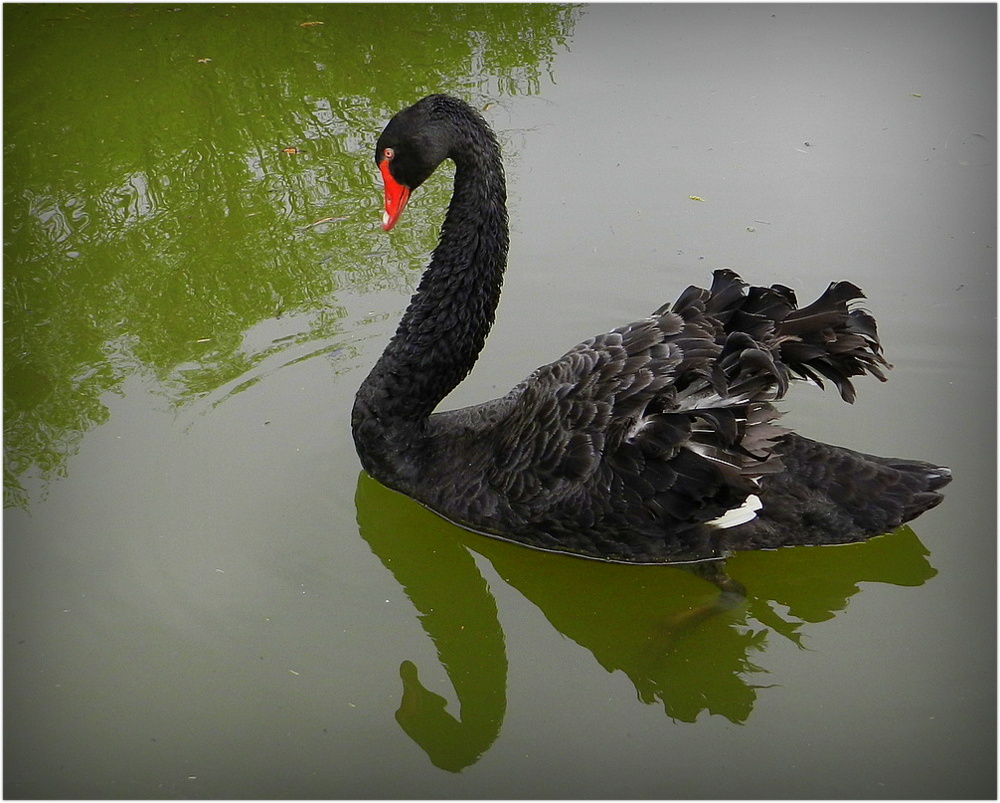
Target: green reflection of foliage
{"x":152,"y":215}
{"x":682,"y":643}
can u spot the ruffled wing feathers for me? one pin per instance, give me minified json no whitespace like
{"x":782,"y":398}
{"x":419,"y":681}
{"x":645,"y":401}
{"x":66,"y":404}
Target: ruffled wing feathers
{"x":678,"y":404}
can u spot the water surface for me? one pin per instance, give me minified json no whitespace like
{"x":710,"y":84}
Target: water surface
{"x":204,"y":597}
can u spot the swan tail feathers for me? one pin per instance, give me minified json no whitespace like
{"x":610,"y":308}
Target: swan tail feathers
{"x":829,"y":494}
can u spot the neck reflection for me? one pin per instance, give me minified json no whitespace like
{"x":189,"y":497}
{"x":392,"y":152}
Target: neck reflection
{"x":682,"y":634}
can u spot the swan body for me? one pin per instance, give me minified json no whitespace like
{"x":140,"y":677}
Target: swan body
{"x":656,"y":442}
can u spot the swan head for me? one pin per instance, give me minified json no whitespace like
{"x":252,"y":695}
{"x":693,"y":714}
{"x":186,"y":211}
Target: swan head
{"x":411,"y":147}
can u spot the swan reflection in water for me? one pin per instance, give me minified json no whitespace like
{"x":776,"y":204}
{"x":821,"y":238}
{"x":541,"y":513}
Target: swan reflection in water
{"x":684,"y":635}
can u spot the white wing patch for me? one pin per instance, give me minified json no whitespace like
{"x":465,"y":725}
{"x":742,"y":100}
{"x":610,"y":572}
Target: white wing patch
{"x":738,"y":515}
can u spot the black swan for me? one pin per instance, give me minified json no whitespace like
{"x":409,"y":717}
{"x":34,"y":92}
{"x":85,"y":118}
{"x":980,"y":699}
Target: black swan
{"x":653,"y":443}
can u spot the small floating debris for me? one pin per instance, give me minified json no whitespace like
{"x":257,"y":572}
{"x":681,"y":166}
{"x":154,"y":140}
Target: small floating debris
{"x":915,"y":95}
{"x":695,"y":198}
{"x":309,"y":24}
{"x":290,"y":150}
{"x":204,"y":61}
{"x":325,"y":220}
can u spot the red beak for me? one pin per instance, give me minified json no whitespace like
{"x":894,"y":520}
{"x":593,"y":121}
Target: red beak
{"x":396,"y":196}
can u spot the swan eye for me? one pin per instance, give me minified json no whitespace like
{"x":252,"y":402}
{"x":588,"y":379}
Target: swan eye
{"x":388,"y":153}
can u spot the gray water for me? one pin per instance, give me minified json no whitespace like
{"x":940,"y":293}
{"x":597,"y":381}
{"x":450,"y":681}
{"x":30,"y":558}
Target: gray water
{"x":205,"y":599}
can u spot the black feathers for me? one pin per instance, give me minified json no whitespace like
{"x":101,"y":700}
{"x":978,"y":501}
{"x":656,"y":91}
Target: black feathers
{"x":635,"y":444}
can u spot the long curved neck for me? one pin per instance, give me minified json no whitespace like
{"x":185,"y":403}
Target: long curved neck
{"x":445,"y":326}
